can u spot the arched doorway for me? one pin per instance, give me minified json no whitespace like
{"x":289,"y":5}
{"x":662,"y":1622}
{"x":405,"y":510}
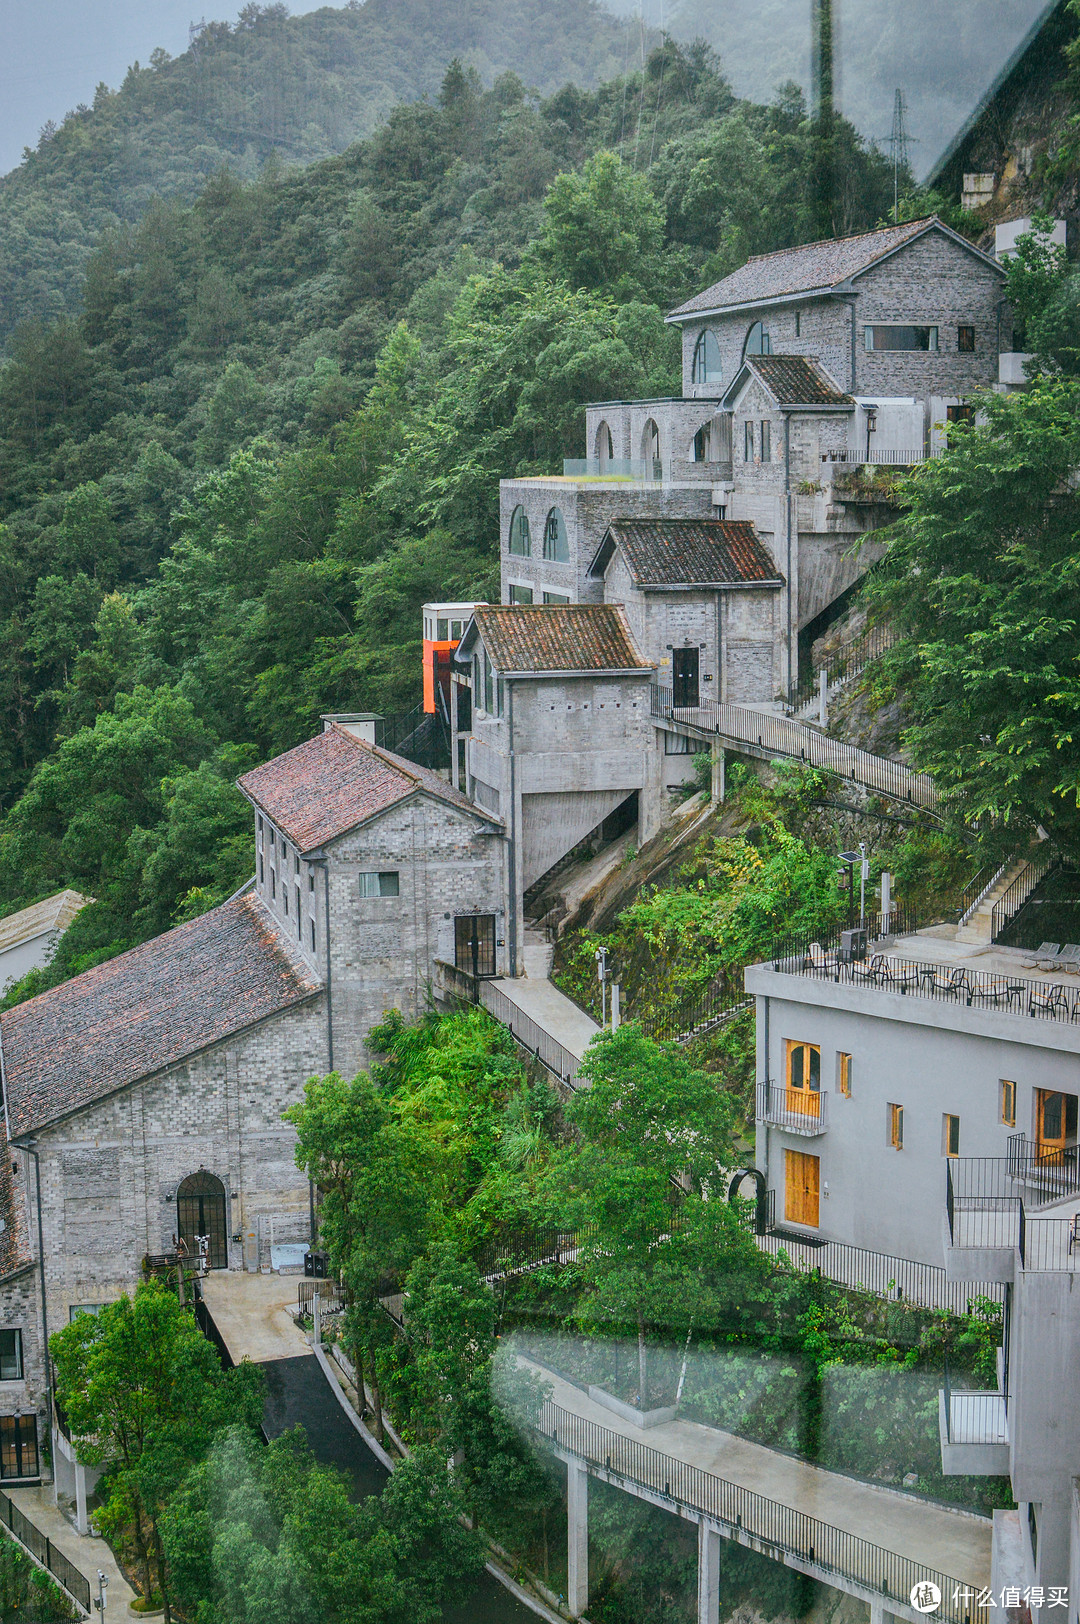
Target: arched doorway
{"x":200,"y":1210}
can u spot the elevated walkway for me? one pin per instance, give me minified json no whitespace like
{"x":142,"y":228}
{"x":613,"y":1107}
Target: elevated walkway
{"x":868,"y":1541}
{"x":766,"y":735}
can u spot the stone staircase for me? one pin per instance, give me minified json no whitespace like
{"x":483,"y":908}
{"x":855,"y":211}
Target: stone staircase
{"x":976,"y":925}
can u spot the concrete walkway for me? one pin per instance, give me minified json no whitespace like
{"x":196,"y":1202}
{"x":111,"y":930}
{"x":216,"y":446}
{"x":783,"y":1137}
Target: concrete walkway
{"x":83,"y":1551}
{"x":543,"y":1003}
{"x":956,"y":1543}
{"x":254,"y":1313}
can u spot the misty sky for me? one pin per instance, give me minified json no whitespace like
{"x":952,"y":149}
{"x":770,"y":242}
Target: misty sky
{"x":56,"y":52}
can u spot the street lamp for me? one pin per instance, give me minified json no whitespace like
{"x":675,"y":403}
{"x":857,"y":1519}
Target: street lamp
{"x":99,"y":1599}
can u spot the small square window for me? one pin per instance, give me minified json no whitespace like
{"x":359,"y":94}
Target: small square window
{"x":950,"y":1135}
{"x":843,"y":1075}
{"x":965,"y":340}
{"x":379,"y":885}
{"x":1008,"y":1103}
{"x":11,"y":1365}
{"x":896,"y":1127}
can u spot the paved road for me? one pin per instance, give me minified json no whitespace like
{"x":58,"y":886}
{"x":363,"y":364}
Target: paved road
{"x":83,"y":1551}
{"x":254,"y":1315}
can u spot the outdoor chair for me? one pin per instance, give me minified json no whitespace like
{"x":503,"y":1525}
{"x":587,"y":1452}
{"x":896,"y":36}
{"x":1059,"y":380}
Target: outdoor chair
{"x":1069,"y":958}
{"x":897,"y":977}
{"x":1052,"y":1001}
{"x":1043,"y":957}
{"x":818,"y":959}
{"x":872,"y":970}
{"x":945,"y":983}
{"x":999,"y":990}
{"x":1074,"y":1232}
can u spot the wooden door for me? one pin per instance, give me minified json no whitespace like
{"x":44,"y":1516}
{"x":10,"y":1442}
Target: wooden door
{"x":801,"y":1185}
{"x":804,"y":1078}
{"x":1055,"y":1120}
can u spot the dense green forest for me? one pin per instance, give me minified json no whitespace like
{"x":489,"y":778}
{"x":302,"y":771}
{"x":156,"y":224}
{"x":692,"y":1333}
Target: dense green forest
{"x":291,"y":89}
{"x":278,"y":426}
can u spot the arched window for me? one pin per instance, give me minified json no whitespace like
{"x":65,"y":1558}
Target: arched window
{"x":706,"y":368}
{"x":200,"y":1210}
{"x":556,"y":546}
{"x":758,"y":340}
{"x":605,"y":451}
{"x":650,"y":446}
{"x":520,"y":542}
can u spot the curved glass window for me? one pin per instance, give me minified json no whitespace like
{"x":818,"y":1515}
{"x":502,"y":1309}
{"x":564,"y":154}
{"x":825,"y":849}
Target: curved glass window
{"x":556,"y":546}
{"x":758,"y":340}
{"x":650,"y":442}
{"x":605,"y":451}
{"x":706,"y":367}
{"x":520,"y":541}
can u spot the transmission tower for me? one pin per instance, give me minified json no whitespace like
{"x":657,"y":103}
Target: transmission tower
{"x":823,"y":112}
{"x":899,"y":142}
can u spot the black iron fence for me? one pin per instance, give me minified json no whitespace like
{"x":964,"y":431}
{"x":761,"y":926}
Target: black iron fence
{"x":803,"y":1110}
{"x":986,"y":1210}
{"x":1012,"y":900}
{"x":843,"y":663}
{"x":541,"y":1045}
{"x":896,"y":1279}
{"x":722,"y":1000}
{"x":44,"y":1552}
{"x":777,"y":1530}
{"x":774,"y":735}
{"x":333,"y":1297}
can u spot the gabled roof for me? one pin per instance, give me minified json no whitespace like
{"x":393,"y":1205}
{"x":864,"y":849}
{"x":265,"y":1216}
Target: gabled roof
{"x":541,"y":639}
{"x":335,"y":781}
{"x":792,"y":381}
{"x":147,"y":1009}
{"x":673,"y":553}
{"x":814,"y":268}
{"x":53,"y":913}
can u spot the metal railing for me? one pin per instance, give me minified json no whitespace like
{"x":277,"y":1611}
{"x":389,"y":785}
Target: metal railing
{"x":777,"y":1530}
{"x":884,"y":459}
{"x":896,"y":1279}
{"x":977,"y":887}
{"x":986,"y":1211}
{"x":803,"y":1110}
{"x":920,"y":978}
{"x":333,"y":1297}
{"x":844,"y":663}
{"x":774,"y":735}
{"x":722,"y":1000}
{"x":973,"y":1416}
{"x":45,"y":1553}
{"x":1051,"y":1175}
{"x":539,"y":1042}
{"x":1012,"y":900}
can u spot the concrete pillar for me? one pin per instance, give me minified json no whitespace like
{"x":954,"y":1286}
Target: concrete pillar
{"x":577,"y":1539}
{"x":81,"y":1522}
{"x":708,"y":1575}
{"x":878,"y":1615}
{"x":823,"y":698}
{"x":717,"y":788}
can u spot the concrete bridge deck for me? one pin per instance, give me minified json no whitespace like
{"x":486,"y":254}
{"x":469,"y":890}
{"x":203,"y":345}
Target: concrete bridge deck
{"x":812,"y":1510}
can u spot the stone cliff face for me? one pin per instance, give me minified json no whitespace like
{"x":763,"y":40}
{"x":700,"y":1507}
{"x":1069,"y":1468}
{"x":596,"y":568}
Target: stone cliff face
{"x":1019,"y":135}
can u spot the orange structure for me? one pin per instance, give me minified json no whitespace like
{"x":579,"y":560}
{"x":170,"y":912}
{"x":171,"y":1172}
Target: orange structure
{"x":443,"y":626}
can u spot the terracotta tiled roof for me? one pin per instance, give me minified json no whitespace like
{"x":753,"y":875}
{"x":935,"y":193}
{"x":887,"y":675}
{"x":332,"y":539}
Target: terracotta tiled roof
{"x":54,"y":913}
{"x":15,"y":1249}
{"x":797,"y":380}
{"x":815,"y":267}
{"x":145,"y":1009}
{"x":688,"y":552}
{"x":334,"y":781}
{"x":558,"y":637}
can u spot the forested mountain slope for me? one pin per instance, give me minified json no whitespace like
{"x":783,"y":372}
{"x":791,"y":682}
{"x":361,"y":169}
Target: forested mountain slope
{"x":279,"y":424}
{"x":295,"y":88}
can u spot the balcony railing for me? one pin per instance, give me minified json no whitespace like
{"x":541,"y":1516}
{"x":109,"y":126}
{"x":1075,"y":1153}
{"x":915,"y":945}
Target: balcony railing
{"x":644,"y":470}
{"x":799,"y":1110}
{"x":986,"y":1212}
{"x":875,"y":458}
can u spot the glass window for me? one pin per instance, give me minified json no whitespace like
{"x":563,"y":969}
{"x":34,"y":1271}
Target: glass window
{"x":262,"y":879}
{"x":798,"y":324}
{"x":950,"y":1135}
{"x":766,"y":440}
{"x":901,"y":338}
{"x":520,"y":541}
{"x":556,"y":597}
{"x":520,"y":594}
{"x":379,"y":885}
{"x":804,"y":1066}
{"x":965,"y":340}
{"x":273,"y":885}
{"x":489,"y":686}
{"x":260,"y":823}
{"x":706,"y":367}
{"x":896,"y":1126}
{"x":455,"y":631}
{"x":271,"y":839}
{"x":299,"y":921}
{"x":556,"y":546}
{"x":312,"y":935}
{"x":442,"y":631}
{"x":285,"y":896}
{"x":748,"y":441}
{"x":843,"y":1075}
{"x":758,"y":340}
{"x":1008,"y":1103}
{"x":18,"y":1446}
{"x":11,"y":1356}
{"x":310,"y":878}
{"x":84,"y":1308}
